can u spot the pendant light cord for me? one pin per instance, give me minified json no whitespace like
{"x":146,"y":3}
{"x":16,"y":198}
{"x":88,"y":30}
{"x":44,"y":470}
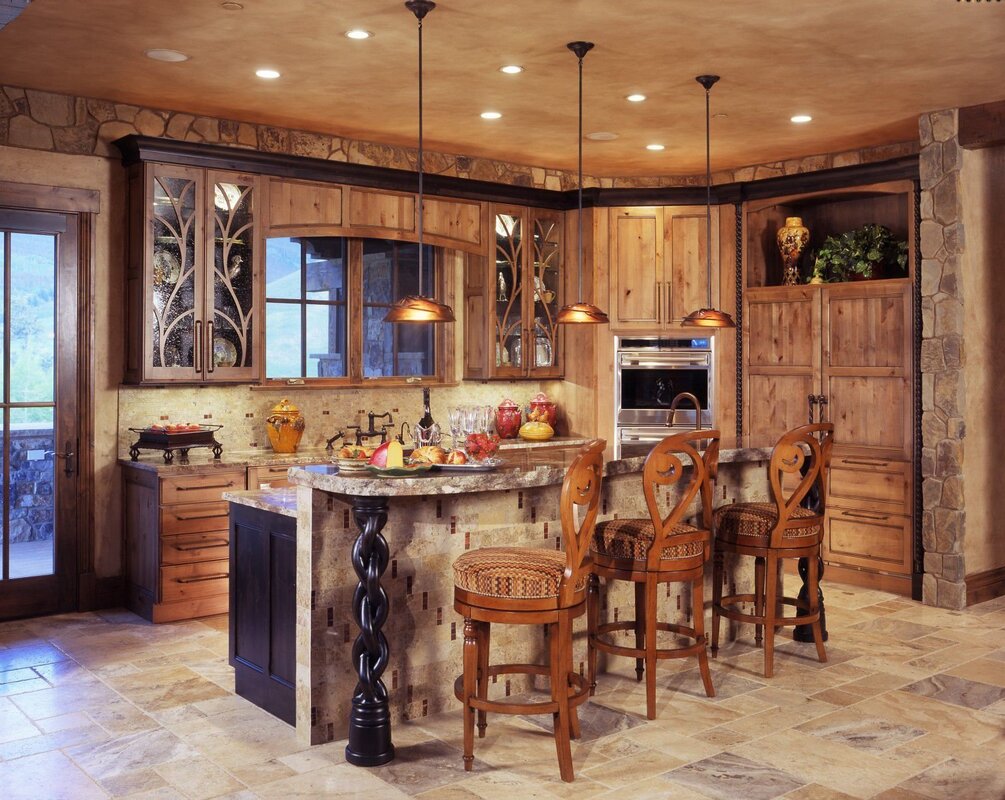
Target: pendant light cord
{"x":708,"y":194}
{"x":420,"y":159}
{"x":579,"y":247}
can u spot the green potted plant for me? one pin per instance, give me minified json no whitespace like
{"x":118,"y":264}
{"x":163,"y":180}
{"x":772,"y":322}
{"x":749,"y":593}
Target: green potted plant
{"x":867,"y":252}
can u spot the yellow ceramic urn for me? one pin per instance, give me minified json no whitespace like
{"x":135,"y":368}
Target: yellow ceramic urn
{"x":792,"y":238}
{"x":285,"y":425}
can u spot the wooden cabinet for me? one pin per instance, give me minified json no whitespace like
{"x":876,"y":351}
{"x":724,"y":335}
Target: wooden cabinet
{"x":275,"y":475}
{"x":512,"y":301}
{"x":658,"y":272}
{"x":193,"y":265}
{"x":177,"y":539}
{"x":263,"y":557}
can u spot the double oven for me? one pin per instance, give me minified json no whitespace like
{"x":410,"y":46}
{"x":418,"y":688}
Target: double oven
{"x":649,"y":374}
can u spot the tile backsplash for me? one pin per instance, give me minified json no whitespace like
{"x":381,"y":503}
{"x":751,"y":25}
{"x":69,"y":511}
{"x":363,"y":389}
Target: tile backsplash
{"x":242,"y":410}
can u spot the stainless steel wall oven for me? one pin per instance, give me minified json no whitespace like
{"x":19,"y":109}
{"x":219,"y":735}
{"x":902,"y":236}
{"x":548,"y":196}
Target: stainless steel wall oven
{"x":649,"y":373}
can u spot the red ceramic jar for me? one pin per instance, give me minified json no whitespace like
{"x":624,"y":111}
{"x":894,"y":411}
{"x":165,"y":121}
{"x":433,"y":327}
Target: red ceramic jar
{"x":546,"y":410}
{"x":508,"y":419}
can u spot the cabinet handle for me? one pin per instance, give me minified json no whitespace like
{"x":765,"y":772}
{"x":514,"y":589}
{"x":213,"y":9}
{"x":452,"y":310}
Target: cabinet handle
{"x":199,"y":516}
{"x":666,"y":298}
{"x":197,"y":350}
{"x":862,"y":515}
{"x":185,"y":548}
{"x":204,"y":578}
{"x":659,"y":302}
{"x":277,"y":470}
{"x":864,"y":463}
{"x":226,"y":485}
{"x":210,"y":365}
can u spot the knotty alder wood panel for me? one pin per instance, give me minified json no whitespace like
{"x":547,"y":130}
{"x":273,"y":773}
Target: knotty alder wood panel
{"x":872,"y":540}
{"x":783,"y":328}
{"x":870,"y":413}
{"x":870,"y":483}
{"x":452,"y":222}
{"x":637,"y":270}
{"x":379,"y":211}
{"x":688,"y":274}
{"x":776,"y":404}
{"x":296,"y":204}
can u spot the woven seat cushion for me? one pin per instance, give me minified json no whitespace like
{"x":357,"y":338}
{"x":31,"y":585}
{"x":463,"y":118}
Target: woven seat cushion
{"x":632,"y":538}
{"x":516,"y":572}
{"x":746,"y":521}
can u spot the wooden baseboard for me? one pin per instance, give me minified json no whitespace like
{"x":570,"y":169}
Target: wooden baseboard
{"x":96,"y":593}
{"x":835,"y":573}
{"x":987,"y":585}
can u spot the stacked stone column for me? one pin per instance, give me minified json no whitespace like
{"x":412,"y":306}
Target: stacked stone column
{"x":943,"y":387}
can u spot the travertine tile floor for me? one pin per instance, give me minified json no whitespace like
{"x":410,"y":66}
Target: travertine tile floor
{"x":911,"y":705}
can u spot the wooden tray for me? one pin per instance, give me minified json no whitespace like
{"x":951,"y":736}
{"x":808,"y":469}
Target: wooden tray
{"x":169,"y":441}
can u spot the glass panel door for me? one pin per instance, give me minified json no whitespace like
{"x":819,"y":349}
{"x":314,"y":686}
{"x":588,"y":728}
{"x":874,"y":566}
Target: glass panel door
{"x":38,"y":455}
{"x":547,"y":290}
{"x":510,"y":357}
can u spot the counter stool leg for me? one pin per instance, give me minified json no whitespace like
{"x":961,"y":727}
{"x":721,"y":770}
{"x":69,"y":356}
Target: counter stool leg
{"x":565,"y":625}
{"x":698,"y":615}
{"x":560,"y":695}
{"x":759,"y":588}
{"x":484,"y":632}
{"x":650,"y":642}
{"x":769,"y":607}
{"x":640,"y":627}
{"x":592,"y":624}
{"x":717,"y":570}
{"x":470,"y":668}
{"x":370,"y":719}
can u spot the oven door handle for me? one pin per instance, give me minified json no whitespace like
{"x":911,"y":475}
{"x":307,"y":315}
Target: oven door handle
{"x":628,"y":361}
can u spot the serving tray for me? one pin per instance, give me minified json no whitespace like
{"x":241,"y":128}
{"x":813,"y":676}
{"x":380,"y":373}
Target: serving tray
{"x":487,"y":465}
{"x":170,"y":441}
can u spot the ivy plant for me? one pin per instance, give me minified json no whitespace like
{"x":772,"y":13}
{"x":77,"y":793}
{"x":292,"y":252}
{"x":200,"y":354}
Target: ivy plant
{"x":869,"y":251}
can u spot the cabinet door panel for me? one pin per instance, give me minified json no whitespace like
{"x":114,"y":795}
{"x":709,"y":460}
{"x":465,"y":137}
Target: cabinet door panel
{"x":875,"y":541}
{"x":381,"y":212}
{"x":777,"y":403}
{"x":783,"y":328}
{"x":688,"y":263}
{"x":546,"y":298}
{"x":870,"y":483}
{"x":868,"y":412}
{"x":866,"y":328}
{"x":293,"y":204}
{"x":637,"y":273}
{"x":452,"y":222}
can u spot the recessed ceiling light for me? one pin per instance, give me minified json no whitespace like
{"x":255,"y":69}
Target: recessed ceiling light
{"x":491,"y":115}
{"x":602,"y":136}
{"x":358,"y":33}
{"x":799,"y":119}
{"x":511,"y":69}
{"x":230,"y":5}
{"x":635,"y":98}
{"x":655,"y":147}
{"x":268,"y":74}
{"x":160,"y":54}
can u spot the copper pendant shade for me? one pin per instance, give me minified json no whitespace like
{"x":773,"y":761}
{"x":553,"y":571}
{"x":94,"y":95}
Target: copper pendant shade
{"x":581,"y":312}
{"x":416,"y":307}
{"x":708,"y":317}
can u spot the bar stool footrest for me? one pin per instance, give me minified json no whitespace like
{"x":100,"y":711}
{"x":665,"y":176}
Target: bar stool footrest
{"x":606,"y":646}
{"x":576,"y":698}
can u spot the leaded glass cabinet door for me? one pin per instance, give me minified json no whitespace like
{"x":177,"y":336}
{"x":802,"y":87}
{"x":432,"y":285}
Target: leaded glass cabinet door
{"x":174,"y":255}
{"x":231,"y":268}
{"x":508,"y":286}
{"x":544,"y":294}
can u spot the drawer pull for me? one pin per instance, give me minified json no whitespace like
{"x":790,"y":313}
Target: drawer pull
{"x":861,"y":515}
{"x":199,"y":516}
{"x":226,"y":485}
{"x":858,"y":463}
{"x":278,"y":470}
{"x":184,"y":548}
{"x":203,"y":578}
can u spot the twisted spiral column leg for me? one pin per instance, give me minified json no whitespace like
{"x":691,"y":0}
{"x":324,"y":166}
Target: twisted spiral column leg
{"x":370,"y":718}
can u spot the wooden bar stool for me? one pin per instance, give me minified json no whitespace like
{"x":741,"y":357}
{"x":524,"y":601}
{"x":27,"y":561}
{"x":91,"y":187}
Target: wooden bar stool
{"x":772,"y":531}
{"x":531,"y":586}
{"x":660,"y":549}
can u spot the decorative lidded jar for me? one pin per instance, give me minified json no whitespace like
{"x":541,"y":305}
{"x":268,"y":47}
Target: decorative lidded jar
{"x":542,"y":409}
{"x":508,"y":419}
{"x":285,"y":425}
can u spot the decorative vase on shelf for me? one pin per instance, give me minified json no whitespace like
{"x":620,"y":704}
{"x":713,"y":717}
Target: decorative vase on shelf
{"x":508,"y":419}
{"x":792,"y":238}
{"x":285,"y":425}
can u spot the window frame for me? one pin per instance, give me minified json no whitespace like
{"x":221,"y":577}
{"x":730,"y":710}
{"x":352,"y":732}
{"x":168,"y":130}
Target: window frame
{"x":443,"y":339}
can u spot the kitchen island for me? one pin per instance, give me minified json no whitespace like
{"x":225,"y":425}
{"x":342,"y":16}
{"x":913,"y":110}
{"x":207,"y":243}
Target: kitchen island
{"x":376,"y":630}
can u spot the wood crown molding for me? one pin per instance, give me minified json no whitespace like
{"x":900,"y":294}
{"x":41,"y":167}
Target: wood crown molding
{"x":982,"y":126}
{"x":136,"y":149}
{"x":37,"y":197}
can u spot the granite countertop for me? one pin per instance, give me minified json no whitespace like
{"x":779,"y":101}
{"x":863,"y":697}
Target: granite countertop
{"x":201,"y":459}
{"x":520,"y":469}
{"x":278,"y":501}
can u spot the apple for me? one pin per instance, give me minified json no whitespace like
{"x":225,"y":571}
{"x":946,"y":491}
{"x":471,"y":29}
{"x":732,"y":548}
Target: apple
{"x":389,"y":454}
{"x":457,"y":457}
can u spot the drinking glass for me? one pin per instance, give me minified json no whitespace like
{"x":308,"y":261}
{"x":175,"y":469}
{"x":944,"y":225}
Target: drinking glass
{"x":456,"y":419}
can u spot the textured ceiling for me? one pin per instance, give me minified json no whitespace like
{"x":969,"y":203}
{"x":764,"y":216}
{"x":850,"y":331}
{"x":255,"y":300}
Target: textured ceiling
{"x":864,"y":69}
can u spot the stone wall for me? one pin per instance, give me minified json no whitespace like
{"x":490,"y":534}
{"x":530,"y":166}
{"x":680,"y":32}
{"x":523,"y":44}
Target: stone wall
{"x":87,"y":126}
{"x":942,"y":357}
{"x":32,"y":516}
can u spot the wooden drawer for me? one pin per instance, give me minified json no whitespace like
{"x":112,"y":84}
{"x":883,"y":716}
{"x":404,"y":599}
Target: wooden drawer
{"x":871,"y":540}
{"x":870,"y":484}
{"x":188,"y":581}
{"x":274,"y":475}
{"x":195,"y":547}
{"x":200,"y":487}
{"x":194,"y":518}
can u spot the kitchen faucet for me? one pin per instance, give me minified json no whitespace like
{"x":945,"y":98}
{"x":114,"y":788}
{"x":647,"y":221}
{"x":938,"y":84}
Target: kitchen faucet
{"x":697,"y":409}
{"x":330,"y":443}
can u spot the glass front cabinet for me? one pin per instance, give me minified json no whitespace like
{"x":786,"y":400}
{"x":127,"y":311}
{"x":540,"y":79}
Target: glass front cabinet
{"x":512,"y":298}
{"x":191,"y":277}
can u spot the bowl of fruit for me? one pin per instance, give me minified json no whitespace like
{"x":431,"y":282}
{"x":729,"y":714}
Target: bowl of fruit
{"x":353,"y":458}
{"x":481,"y":446}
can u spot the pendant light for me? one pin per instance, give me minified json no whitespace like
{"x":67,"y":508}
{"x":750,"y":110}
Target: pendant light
{"x":580,"y":312}
{"x":708,"y":317}
{"x":416,"y":307}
